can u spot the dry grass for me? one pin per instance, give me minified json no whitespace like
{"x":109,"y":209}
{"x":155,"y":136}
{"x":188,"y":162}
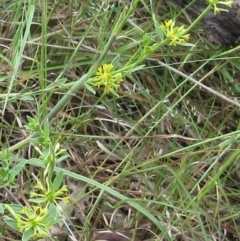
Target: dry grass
{"x":166,"y":144}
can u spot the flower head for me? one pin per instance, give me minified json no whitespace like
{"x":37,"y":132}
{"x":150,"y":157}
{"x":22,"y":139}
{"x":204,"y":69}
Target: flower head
{"x":33,"y":220}
{"x":216,"y":8}
{"x":107,"y":78}
{"x":49,"y":195}
{"x":175,"y":34}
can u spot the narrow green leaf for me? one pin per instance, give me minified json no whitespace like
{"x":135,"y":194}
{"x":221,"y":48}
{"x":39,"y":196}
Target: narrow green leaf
{"x":11,"y":223}
{"x":16,"y":169}
{"x":90,"y":88}
{"x":115,"y":61}
{"x":1,"y":208}
{"x":57,"y":181}
{"x":27,"y":235}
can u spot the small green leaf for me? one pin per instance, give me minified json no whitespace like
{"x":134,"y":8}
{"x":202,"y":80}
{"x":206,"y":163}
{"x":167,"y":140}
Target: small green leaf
{"x":2,"y":228}
{"x":90,"y":88}
{"x":5,"y":157}
{"x":26,"y":98}
{"x":57,"y":83}
{"x":140,"y":67}
{"x":37,"y":200}
{"x":115,"y":61}
{"x":6,"y":179}
{"x":37,"y":161}
{"x":62,"y":158}
{"x":1,"y":208}
{"x":159,"y":31}
{"x":188,"y":45}
{"x":57,"y":181}
{"x":56,"y":219}
{"x":3,"y":173}
{"x":33,"y":124}
{"x":47,"y":128}
{"x":27,"y":235}
{"x":15,"y":207}
{"x":53,"y":211}
{"x":47,"y":153}
{"x":11,"y":223}
{"x":16,"y":169}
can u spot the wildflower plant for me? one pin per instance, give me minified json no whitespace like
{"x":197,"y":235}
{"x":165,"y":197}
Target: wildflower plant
{"x":6,"y":176}
{"x":34,"y":126}
{"x":52,"y":193}
{"x":33,"y":221}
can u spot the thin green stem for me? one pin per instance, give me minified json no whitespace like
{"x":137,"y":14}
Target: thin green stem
{"x":80,"y":83}
{"x":140,"y":56}
{"x":198,"y":19}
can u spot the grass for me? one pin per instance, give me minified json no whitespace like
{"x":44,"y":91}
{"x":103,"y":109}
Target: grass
{"x":156,"y":160}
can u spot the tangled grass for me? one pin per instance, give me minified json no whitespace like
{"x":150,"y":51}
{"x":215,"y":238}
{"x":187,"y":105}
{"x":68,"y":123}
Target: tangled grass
{"x":156,"y":159}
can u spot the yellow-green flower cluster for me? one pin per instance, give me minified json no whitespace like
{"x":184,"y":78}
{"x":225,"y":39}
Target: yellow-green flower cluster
{"x":49,"y":195}
{"x":107,"y":78}
{"x":176,"y":35}
{"x":216,"y":8}
{"x":33,"y":220}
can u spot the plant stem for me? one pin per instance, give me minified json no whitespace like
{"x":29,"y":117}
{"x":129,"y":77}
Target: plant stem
{"x":80,"y":83}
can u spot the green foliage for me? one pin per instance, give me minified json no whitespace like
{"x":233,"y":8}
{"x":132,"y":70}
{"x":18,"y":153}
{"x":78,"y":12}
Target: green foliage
{"x":118,"y":91}
{"x":35,"y":221}
{"x":8,"y":171}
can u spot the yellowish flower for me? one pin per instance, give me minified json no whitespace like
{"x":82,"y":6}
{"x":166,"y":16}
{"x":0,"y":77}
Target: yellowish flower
{"x":216,"y":8}
{"x":174,"y":34}
{"x":33,"y":220}
{"x":49,"y":195}
{"x":107,"y":78}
